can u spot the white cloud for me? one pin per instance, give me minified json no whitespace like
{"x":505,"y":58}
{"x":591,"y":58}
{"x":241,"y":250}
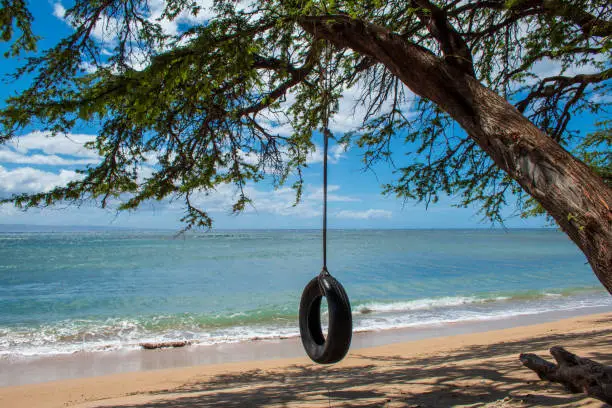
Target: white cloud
{"x":61,"y":150}
{"x":105,"y":30}
{"x":8,"y":156}
{"x":548,"y":67}
{"x":8,"y":210}
{"x":70,"y":145}
{"x":364,"y":215}
{"x":317,"y":195}
{"x":88,"y":67}
{"x":39,"y":148}
{"x":277,"y":202}
{"x":186,"y":17}
{"x":59,"y":10}
{"x":602,"y":98}
{"x":275,"y":127}
{"x":30,"y":180}
{"x":281,"y":201}
{"x":335,"y":153}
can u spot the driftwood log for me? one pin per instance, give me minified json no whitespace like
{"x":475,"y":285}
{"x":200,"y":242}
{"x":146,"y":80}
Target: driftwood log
{"x":575,"y":373}
{"x":152,"y":346}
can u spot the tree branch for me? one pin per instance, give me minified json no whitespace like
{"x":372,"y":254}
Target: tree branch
{"x":453,"y":45}
{"x":296,"y":75}
{"x":576,"y":374}
{"x":555,"y":84}
{"x":589,"y":24}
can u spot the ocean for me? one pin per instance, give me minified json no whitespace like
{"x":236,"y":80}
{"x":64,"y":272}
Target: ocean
{"x":99,"y":291}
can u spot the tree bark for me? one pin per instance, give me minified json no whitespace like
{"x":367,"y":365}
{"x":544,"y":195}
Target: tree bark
{"x":577,"y":374}
{"x":567,"y":189}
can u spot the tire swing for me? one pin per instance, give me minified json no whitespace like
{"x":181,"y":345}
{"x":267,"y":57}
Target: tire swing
{"x":333,"y":348}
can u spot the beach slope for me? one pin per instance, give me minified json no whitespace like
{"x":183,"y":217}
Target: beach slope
{"x":472,"y":370}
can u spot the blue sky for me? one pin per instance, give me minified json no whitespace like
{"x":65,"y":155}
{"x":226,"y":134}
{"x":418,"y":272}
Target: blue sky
{"x":35,"y":162}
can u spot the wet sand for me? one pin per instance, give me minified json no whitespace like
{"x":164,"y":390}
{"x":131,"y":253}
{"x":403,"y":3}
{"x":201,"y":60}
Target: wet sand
{"x":90,"y":364}
{"x":476,"y":369}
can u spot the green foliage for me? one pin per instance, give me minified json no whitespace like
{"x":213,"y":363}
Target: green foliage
{"x":200,"y":108}
{"x":14,"y":14}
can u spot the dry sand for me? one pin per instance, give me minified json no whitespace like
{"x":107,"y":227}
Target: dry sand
{"x":468,"y":370}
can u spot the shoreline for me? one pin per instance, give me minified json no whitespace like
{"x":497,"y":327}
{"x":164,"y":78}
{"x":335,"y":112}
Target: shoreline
{"x":82,"y":365}
{"x":468,"y":370}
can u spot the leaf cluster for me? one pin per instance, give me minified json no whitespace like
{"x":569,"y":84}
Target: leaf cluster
{"x":15,"y":14}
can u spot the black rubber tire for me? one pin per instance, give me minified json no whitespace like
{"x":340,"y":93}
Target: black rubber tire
{"x":340,"y":330}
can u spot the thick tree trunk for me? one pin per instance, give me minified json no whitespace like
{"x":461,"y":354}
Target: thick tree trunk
{"x":577,"y":374}
{"x":569,"y":191}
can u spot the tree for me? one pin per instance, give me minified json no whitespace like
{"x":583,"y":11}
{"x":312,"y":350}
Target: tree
{"x":205,"y":101}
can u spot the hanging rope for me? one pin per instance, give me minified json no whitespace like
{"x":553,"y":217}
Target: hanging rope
{"x":325,"y":148}
{"x":325,"y":143}
{"x":340,"y":329}
{"x":326,"y":85}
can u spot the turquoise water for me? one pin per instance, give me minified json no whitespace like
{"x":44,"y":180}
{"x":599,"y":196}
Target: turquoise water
{"x":70,"y":291}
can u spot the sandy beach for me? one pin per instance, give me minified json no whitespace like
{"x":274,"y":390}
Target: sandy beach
{"x":465,"y":370}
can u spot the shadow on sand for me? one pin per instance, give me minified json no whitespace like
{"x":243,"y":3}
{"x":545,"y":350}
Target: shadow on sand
{"x":473,"y":376}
